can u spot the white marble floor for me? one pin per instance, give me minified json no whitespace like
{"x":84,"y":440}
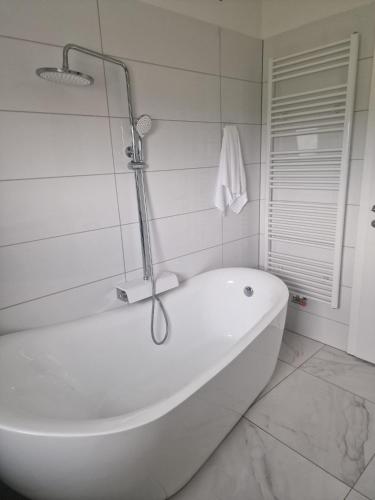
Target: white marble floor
{"x":310,"y":435}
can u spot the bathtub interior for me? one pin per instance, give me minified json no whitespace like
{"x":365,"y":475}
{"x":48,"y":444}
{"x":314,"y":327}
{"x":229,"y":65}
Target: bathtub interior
{"x":106,"y":365}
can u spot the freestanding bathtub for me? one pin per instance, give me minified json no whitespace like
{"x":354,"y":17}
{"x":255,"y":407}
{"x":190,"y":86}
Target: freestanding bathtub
{"x":93,"y":410}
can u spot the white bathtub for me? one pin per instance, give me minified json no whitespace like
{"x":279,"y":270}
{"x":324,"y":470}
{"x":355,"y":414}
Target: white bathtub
{"x":93,"y":410}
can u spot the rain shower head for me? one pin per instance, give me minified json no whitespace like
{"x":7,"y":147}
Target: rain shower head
{"x":66,"y":76}
{"x":143,"y":125}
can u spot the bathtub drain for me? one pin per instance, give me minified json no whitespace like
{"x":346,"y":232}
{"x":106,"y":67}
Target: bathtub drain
{"x":248,"y":291}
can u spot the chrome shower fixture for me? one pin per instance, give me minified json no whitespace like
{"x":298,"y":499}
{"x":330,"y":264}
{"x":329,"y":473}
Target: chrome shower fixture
{"x":144,"y":124}
{"x":66,"y":76}
{"x":139,"y":128}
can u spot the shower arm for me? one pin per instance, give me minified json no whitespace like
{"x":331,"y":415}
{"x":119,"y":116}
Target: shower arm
{"x":137,"y":150}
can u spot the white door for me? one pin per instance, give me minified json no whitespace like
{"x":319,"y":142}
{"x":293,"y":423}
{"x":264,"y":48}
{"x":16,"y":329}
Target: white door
{"x":362,"y":321}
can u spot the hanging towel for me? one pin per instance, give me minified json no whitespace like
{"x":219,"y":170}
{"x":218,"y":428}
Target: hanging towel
{"x":231,"y":183}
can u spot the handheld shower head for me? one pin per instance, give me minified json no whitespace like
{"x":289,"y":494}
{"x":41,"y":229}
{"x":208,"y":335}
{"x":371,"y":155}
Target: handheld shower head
{"x":66,"y":76}
{"x":143,"y":125}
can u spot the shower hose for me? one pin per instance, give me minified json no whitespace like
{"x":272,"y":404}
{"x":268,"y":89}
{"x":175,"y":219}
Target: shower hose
{"x":155,"y":299}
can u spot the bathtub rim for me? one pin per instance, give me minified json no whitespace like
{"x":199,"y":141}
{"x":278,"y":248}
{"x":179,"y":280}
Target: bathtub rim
{"x":141,"y":417}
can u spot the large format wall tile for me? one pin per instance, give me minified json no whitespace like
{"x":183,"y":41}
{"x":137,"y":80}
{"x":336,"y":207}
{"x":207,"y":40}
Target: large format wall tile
{"x":174,"y":236}
{"x":250,"y":464}
{"x":331,"y":427}
{"x":192,"y":264}
{"x":40,"y":208}
{"x":241,"y":253}
{"x":136,"y":30}
{"x":22,"y":90}
{"x":325,"y":31}
{"x":341,"y":314}
{"x":355,"y":182}
{"x":53,"y":145}
{"x":363,"y":84}
{"x":54,"y":137}
{"x":317,"y":328}
{"x":241,"y":56}
{"x":174,"y":145}
{"x":66,"y":305}
{"x":167,"y":93}
{"x":250,"y":142}
{"x":187,"y":191}
{"x":246,"y":223}
{"x":36,"y":269}
{"x":253,"y":180}
{"x":51,"y":21}
{"x":240,"y":101}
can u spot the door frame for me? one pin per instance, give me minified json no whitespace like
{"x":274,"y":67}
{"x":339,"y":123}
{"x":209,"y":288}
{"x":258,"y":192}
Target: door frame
{"x":366,"y":201}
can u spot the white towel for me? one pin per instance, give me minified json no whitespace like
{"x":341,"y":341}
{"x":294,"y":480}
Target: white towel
{"x":231,"y":183}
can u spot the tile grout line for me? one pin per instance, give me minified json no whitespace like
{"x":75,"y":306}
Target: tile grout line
{"x":111,"y":141}
{"x":122,"y":117}
{"x":120,"y":225}
{"x":197,"y":251}
{"x":115,"y":275}
{"x":81,"y":285}
{"x":221,"y":136}
{"x":295,"y":368}
{"x":297,"y":452}
{"x":337,"y":387}
{"x":56,"y":236}
{"x":116,"y":172}
{"x":260,"y":147}
{"x":372,"y":459}
{"x":139,"y":61}
{"x":317,"y":315}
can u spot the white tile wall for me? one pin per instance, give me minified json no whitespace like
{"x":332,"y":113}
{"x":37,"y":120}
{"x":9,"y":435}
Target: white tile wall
{"x":46,"y":145}
{"x":241,"y":101}
{"x":32,"y":270}
{"x":192,"y":264}
{"x":200,"y":143}
{"x":174,"y":236}
{"x":341,"y":314}
{"x":327,"y":30}
{"x":68,"y":217}
{"x":188,"y":191}
{"x":53,"y":22}
{"x":22,"y":90}
{"x":241,"y":252}
{"x":83,"y":300}
{"x":244,"y":224}
{"x":41,"y":208}
{"x":250,"y":142}
{"x":317,"y":320}
{"x":131,"y":29}
{"x":241,"y":56}
{"x":171,"y":94}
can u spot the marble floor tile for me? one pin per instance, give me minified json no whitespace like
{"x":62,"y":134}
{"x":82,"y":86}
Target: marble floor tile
{"x":354,"y":495}
{"x":282,"y":370}
{"x":366,"y":483}
{"x":252,"y":465}
{"x":344,"y":370}
{"x":332,"y":427}
{"x":296,"y":349}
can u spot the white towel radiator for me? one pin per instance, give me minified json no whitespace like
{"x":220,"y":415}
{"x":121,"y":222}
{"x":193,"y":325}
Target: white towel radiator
{"x":309,"y":124}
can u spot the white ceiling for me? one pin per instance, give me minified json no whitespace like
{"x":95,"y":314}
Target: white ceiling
{"x":259,"y":18}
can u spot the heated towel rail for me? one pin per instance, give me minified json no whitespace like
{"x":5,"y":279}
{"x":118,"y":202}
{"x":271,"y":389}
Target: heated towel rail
{"x":309,"y":125}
